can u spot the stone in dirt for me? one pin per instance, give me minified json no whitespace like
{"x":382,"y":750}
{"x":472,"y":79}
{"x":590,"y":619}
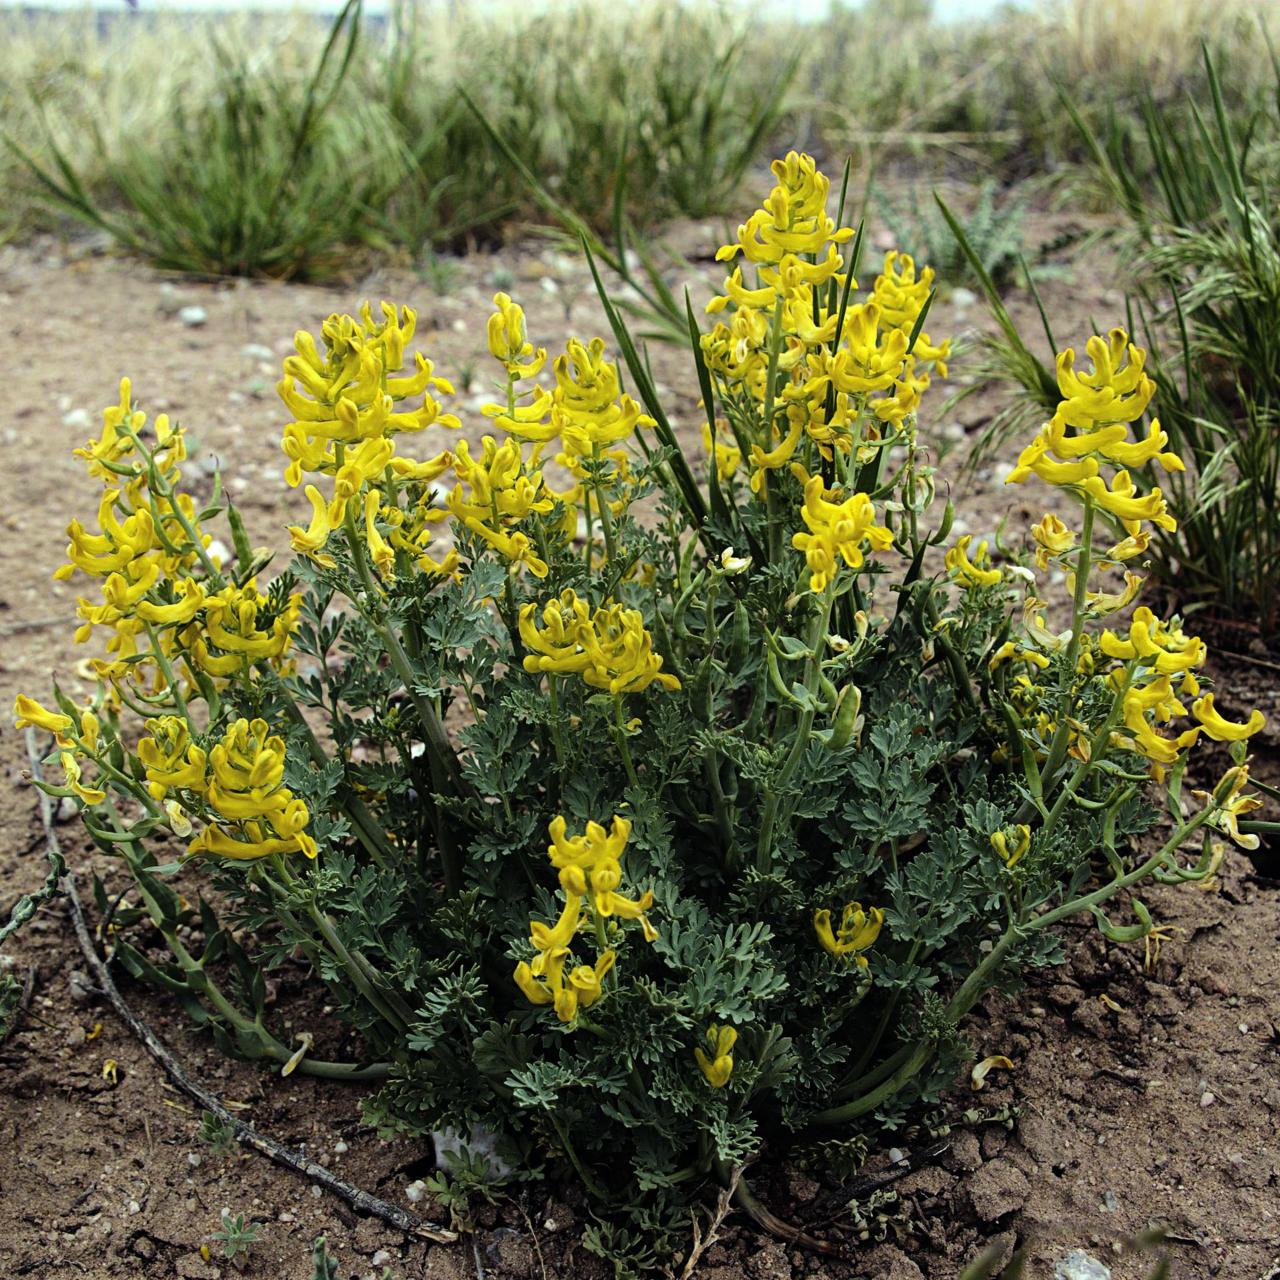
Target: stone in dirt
{"x":191,"y":1266}
{"x":1078,"y":1265}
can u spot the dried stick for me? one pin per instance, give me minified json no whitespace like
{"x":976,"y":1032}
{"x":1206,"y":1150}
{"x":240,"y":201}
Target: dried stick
{"x":361,"y":1201}
{"x":715,"y":1220}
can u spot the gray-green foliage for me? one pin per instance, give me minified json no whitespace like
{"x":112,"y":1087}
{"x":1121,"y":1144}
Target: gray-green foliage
{"x":994,"y":227}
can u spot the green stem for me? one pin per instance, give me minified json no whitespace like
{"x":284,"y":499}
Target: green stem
{"x":1062,"y":734}
{"x":803,"y":730}
{"x":620,"y":736}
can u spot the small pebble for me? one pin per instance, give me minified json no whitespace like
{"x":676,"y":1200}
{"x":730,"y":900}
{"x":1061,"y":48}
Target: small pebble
{"x":193,"y":317}
{"x":961,"y":298}
{"x":341,"y":1147}
{"x":381,"y":1259}
{"x":1109,"y":1201}
{"x":256,"y":351}
{"x":134,"y":1207}
{"x":1207,"y":1099}
{"x":416,"y":1190}
{"x":78,"y":419}
{"x":896,"y":1155}
{"x":316,"y":1193}
{"x":193,"y":1159}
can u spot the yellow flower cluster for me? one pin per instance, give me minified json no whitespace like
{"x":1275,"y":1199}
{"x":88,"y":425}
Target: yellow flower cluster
{"x":240,"y":781}
{"x":590,"y":868}
{"x":608,"y":647}
{"x":347,"y":406}
{"x":838,"y":530}
{"x":856,"y":934}
{"x":1091,"y":428}
{"x":1155,"y":653}
{"x":839,"y":388}
{"x":494,"y":493}
{"x":73,"y":746}
{"x":166,"y":623}
{"x":716,"y":1060}
{"x":1011,"y":851}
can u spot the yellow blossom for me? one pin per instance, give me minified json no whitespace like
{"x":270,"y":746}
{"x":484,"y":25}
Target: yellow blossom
{"x":1221,"y":730}
{"x":28,"y":712}
{"x":716,"y":1061}
{"x":509,"y":342}
{"x":609,"y":648}
{"x":1232,"y":804}
{"x":1052,"y":538}
{"x":838,"y":528}
{"x":1011,"y":852}
{"x":857,"y":932}
{"x":971,"y":573}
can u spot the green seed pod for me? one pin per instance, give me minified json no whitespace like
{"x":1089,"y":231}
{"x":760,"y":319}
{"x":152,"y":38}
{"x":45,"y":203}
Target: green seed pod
{"x":740,"y":637}
{"x":845,"y":723}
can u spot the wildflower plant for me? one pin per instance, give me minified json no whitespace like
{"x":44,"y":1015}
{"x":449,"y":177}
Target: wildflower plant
{"x":641,"y":806}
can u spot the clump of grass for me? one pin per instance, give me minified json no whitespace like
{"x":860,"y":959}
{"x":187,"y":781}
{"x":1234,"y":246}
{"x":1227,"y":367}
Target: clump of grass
{"x":265,"y":175}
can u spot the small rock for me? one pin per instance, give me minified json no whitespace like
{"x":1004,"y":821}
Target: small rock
{"x":415,"y":1191}
{"x":1078,"y":1265}
{"x":1207,"y":1099}
{"x":962,"y":298}
{"x":193,"y":317}
{"x":77,"y":419}
{"x":381,"y":1259}
{"x":144,"y":1247}
{"x":134,"y":1207}
{"x":256,"y":351}
{"x":1109,"y":1202}
{"x":193,"y":1159}
{"x":341,"y":1148}
{"x":76,"y":1037}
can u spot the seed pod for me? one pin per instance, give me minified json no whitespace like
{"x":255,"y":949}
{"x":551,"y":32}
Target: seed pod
{"x":846,"y":721}
{"x":740,"y":637}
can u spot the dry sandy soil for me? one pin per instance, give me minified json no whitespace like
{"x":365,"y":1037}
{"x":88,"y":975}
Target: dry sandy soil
{"x":1157,"y":1106}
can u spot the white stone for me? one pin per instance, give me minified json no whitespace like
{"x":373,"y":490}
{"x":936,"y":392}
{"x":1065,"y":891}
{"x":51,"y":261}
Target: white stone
{"x":77,"y":419}
{"x":1078,"y":1265}
{"x":193,"y":317}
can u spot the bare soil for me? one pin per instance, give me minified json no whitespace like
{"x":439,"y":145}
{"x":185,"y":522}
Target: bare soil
{"x":1142,"y":1094}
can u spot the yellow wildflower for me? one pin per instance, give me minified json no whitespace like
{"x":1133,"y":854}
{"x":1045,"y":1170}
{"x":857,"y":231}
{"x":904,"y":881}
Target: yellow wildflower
{"x":1011,"y":852}
{"x":1232,"y":804}
{"x":610,"y":648}
{"x":837,"y":528}
{"x":1164,"y":647}
{"x":257,"y":814}
{"x":28,"y":712}
{"x":596,"y":857}
{"x":509,"y":342}
{"x":857,"y":932}
{"x":1052,"y":538}
{"x":1221,"y":730}
{"x":971,"y":573}
{"x":716,"y":1061}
